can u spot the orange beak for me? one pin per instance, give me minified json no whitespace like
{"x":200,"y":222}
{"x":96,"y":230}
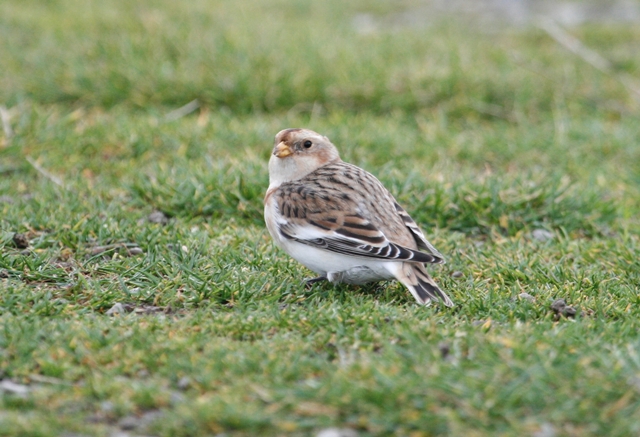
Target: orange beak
{"x":282,"y":150}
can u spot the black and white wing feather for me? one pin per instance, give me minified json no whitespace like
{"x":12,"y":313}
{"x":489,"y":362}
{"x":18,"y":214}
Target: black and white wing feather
{"x":421,"y":240}
{"x":354,"y":236}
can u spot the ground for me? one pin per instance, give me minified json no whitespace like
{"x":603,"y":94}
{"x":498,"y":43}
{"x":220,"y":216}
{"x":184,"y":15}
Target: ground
{"x":140,"y":292}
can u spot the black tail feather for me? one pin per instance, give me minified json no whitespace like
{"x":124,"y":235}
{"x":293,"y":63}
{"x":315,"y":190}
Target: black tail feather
{"x":427,"y":289}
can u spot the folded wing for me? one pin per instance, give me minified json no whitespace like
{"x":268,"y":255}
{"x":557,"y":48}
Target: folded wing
{"x":350,"y":235}
{"x":421,"y":240}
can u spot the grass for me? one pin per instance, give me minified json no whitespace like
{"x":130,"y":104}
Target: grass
{"x":483,"y":137}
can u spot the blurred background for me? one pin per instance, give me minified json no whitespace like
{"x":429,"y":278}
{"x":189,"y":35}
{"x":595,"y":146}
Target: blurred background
{"x":277,"y":55}
{"x":171,"y":100}
{"x":450,"y":89}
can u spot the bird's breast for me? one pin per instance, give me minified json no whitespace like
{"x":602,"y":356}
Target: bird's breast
{"x":271,"y":214}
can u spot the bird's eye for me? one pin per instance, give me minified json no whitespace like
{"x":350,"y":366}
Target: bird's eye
{"x":307,"y":144}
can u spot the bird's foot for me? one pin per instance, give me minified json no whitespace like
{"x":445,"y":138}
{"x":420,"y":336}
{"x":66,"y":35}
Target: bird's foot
{"x":309,"y":282}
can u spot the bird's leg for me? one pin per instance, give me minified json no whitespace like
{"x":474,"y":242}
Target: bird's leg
{"x":309,"y":282}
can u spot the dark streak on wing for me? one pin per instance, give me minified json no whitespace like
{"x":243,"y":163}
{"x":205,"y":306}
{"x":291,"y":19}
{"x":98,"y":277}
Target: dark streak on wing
{"x":375,"y":239}
{"x":387,"y":252}
{"x":319,"y":225}
{"x":366,"y":226}
{"x":418,"y":236}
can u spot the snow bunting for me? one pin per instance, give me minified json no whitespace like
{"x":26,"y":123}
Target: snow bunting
{"x":340,"y":221}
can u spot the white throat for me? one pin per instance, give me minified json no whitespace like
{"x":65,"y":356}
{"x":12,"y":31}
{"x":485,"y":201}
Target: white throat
{"x":289,"y":169}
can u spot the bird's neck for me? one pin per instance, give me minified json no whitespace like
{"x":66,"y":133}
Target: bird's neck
{"x":289,"y":170}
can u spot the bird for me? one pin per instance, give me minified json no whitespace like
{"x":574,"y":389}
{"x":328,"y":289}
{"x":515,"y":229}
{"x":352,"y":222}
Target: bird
{"x":339,"y":220}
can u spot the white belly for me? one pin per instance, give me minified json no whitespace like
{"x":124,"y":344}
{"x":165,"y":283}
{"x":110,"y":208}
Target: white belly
{"x":334,"y":266}
{"x":337,"y":267}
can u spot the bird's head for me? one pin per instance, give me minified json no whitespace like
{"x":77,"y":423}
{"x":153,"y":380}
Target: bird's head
{"x":298,"y":152}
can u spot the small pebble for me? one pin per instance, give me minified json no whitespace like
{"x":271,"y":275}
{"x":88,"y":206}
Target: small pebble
{"x":99,"y":250}
{"x":158,"y":217}
{"x":570,"y":312}
{"x":20,"y":240}
{"x":560,"y":308}
{"x":133,"y":251}
{"x":4,"y":274}
{"x":542,"y":235}
{"x":526,"y":296}
{"x":456,"y":274}
{"x":184,"y":383}
{"x":118,"y":308}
